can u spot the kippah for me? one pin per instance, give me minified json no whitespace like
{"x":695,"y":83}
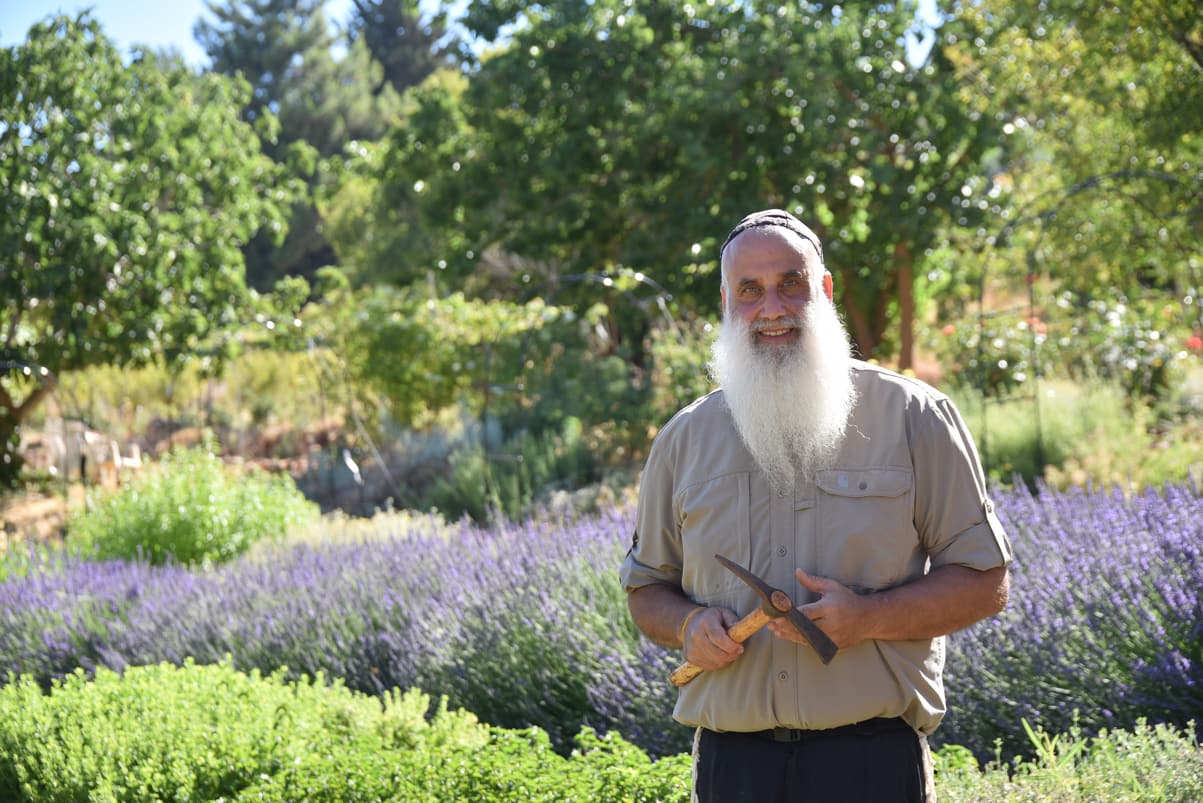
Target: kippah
{"x":773,"y":217}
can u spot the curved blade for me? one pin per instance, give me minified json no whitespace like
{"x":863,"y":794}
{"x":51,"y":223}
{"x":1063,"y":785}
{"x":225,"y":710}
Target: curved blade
{"x":822,"y":643}
{"x":764,"y":589}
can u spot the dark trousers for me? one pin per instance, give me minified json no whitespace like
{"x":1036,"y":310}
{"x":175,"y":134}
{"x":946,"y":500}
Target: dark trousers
{"x":877,"y":761}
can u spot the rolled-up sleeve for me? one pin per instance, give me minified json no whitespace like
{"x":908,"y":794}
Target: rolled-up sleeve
{"x":954,"y":516}
{"x":655,"y":555}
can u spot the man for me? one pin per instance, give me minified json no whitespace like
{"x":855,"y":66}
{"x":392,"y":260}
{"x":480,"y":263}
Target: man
{"x":856,"y":489}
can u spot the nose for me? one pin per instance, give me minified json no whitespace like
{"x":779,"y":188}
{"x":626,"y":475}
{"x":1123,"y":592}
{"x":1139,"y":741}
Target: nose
{"x":773,"y":306}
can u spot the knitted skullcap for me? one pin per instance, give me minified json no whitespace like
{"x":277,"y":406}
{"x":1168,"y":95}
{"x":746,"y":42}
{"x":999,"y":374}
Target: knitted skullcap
{"x":773,"y":217}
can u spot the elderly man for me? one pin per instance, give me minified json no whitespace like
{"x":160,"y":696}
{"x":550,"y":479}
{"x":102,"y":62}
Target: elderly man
{"x":855,"y":488}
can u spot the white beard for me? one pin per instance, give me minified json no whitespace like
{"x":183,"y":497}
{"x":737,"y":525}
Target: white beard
{"x":790,"y":403}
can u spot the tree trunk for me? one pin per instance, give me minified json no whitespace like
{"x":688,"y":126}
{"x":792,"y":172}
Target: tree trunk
{"x":11,"y":416}
{"x":861,"y":329}
{"x":906,"y":307}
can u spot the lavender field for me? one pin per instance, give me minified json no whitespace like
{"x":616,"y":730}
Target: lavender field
{"x":525,"y":624}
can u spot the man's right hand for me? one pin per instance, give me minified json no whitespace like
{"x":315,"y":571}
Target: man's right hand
{"x":706,"y":644}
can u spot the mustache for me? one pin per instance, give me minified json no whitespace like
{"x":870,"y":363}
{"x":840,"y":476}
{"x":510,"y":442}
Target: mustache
{"x":796,"y":321}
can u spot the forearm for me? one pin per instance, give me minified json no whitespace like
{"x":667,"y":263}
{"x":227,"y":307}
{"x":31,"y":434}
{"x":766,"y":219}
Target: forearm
{"x":948,"y":599}
{"x":659,"y":611}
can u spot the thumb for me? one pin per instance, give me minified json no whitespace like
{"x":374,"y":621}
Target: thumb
{"x":819,"y":585}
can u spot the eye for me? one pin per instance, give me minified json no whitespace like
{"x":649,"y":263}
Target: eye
{"x":750,"y":292}
{"x":793,"y":287}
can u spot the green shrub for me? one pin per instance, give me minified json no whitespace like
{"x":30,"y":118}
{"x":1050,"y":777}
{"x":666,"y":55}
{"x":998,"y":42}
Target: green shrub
{"x":1150,"y":763}
{"x":1090,"y":432}
{"x":196,"y":733}
{"x":516,"y":474}
{"x":171,"y":733}
{"x":513,"y":765}
{"x":191,"y":509}
{"x":1138,"y":344}
{"x":201,"y":733}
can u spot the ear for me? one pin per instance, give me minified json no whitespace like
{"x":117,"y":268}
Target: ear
{"x":722,"y":294}
{"x":828,"y":286}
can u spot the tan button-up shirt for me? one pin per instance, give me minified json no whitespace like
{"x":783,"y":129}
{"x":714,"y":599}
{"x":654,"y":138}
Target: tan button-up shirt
{"x":906,"y":494}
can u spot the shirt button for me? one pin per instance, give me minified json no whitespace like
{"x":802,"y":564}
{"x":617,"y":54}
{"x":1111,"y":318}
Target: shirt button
{"x":783,"y":676}
{"x":780,"y":494}
{"x":864,"y":485}
{"x":781,"y":551}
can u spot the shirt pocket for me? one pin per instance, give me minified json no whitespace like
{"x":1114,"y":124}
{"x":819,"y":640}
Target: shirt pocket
{"x":867,"y":533}
{"x":715,"y":520}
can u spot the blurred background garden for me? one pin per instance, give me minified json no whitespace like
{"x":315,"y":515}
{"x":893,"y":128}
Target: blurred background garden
{"x":338,"y":356}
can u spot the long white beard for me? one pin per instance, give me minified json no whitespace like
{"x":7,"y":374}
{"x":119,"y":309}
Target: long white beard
{"x":790,"y":403}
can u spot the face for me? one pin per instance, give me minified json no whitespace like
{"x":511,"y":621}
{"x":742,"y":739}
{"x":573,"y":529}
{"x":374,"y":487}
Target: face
{"x":770,"y":275}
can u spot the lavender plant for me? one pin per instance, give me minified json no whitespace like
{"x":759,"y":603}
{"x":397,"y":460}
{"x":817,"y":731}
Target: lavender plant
{"x":524,"y":624}
{"x":521,"y":624}
{"x":1105,"y":623}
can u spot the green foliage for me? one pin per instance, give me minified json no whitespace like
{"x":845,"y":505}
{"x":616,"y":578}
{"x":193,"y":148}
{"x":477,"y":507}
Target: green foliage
{"x":132,"y":190}
{"x":425,"y":354}
{"x":210,"y":732}
{"x":325,"y":90}
{"x":1089,"y":432}
{"x":1138,"y":345}
{"x":1149,"y":763}
{"x":407,"y":45}
{"x":1107,"y":95}
{"x":192,"y":510}
{"x":514,"y":474}
{"x":237,"y":397}
{"x":285,"y":49}
{"x":139,"y":185}
{"x":215,"y":733}
{"x":680,"y":357}
{"x":619,"y":121}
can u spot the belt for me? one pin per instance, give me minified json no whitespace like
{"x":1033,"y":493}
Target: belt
{"x":869,"y":727}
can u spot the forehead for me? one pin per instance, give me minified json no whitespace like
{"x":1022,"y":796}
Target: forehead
{"x":764,"y":253}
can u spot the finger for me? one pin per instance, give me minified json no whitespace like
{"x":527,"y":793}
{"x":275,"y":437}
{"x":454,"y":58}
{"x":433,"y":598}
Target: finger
{"x":815,"y":583}
{"x":714,"y":632}
{"x":721,"y":640}
{"x":813,"y":611}
{"x":782,"y":628}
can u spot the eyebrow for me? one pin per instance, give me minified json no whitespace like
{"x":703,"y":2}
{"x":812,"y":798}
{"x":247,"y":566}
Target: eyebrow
{"x":789,"y":274}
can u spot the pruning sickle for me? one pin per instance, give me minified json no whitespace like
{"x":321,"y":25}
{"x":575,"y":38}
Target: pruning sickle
{"x":774,"y":603}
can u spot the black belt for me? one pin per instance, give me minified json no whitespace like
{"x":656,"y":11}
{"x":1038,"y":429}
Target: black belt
{"x":869,"y":727}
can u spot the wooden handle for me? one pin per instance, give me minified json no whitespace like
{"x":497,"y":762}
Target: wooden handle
{"x":741,"y":631}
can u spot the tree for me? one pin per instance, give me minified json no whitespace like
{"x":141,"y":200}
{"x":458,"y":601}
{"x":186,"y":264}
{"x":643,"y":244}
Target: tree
{"x":605,"y":136}
{"x":406,"y":46}
{"x":1110,"y":99}
{"x":131,"y":190}
{"x":286,"y":49}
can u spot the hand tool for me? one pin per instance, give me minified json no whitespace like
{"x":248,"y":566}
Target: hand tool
{"x":774,"y":603}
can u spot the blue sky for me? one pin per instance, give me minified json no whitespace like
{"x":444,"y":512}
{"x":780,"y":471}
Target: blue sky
{"x":160,"y":23}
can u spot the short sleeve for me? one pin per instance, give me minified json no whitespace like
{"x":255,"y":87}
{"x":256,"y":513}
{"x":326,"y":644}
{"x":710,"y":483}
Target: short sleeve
{"x":954,"y":516}
{"x":655,"y":555}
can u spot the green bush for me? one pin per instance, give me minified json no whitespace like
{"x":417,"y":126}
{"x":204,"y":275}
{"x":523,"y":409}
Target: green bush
{"x":211,"y":733}
{"x":516,"y":474}
{"x":202,"y":733}
{"x":191,"y":509}
{"x":1150,"y":763}
{"x":1090,"y":432}
{"x":1138,"y":344}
